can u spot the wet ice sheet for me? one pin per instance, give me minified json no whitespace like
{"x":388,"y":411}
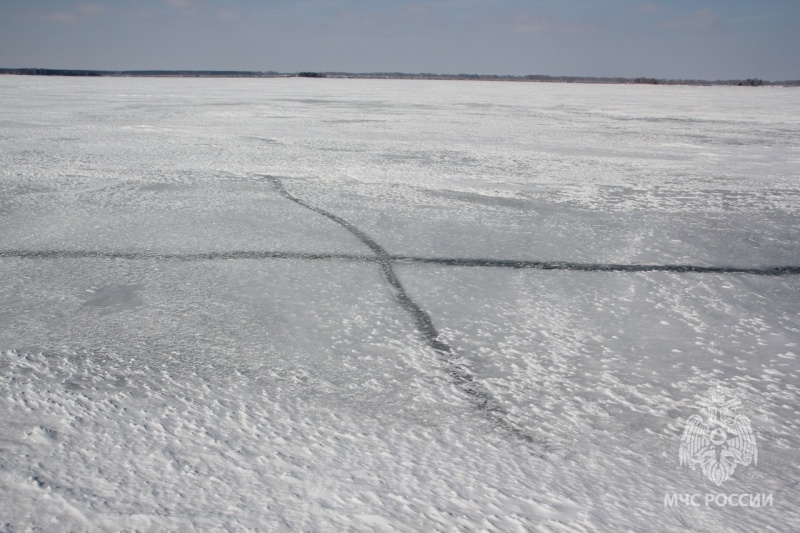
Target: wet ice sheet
{"x":163,"y":217}
{"x":326,"y":320}
{"x":545,"y":226}
{"x":495,"y":138}
{"x":503,"y":170}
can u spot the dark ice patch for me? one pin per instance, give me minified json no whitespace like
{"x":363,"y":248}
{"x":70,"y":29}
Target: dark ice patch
{"x":113,"y":298}
{"x":161,"y":187}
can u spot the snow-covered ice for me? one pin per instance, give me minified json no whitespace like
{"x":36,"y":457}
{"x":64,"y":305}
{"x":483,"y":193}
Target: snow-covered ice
{"x":183,"y":346}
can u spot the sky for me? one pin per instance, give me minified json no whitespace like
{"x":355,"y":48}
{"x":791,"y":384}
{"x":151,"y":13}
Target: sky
{"x":671,"y":39}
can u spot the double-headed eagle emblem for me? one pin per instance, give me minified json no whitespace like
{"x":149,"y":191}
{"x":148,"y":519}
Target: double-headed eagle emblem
{"x":719,"y":440}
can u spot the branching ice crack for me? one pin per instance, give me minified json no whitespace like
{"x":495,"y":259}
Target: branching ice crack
{"x":461,"y":377}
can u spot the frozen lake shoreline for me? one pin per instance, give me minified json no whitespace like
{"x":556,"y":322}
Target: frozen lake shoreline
{"x":150,"y":384}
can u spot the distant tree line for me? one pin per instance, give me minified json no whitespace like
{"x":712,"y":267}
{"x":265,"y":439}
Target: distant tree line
{"x":139,"y":73}
{"x":750,"y":82}
{"x":559,"y":79}
{"x":50,"y":72}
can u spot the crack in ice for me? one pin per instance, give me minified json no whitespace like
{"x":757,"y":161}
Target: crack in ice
{"x":784,"y":270}
{"x":461,"y":377}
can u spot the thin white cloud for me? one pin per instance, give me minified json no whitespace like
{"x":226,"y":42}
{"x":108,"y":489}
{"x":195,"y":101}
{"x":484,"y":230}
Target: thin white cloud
{"x":418,"y":9}
{"x":700,"y":20}
{"x":229,"y":14}
{"x":530,"y":24}
{"x":649,"y":8}
{"x":89,"y":8}
{"x":764,"y":16}
{"x":77,"y":13}
{"x":62,"y":17}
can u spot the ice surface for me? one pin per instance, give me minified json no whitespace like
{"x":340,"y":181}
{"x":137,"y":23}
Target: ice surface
{"x":182,"y":346}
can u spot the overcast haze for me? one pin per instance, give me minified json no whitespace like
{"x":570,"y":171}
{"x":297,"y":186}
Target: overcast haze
{"x":714,"y":39}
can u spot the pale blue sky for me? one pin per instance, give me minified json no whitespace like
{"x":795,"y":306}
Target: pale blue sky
{"x":713,"y":39}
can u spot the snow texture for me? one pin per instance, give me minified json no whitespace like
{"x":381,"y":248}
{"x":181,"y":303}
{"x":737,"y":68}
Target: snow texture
{"x":293,"y":304}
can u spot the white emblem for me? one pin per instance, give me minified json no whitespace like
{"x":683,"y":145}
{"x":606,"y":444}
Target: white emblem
{"x":720,"y":440}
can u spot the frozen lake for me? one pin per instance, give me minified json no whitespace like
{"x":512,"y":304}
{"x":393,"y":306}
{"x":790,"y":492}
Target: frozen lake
{"x":322,"y":304}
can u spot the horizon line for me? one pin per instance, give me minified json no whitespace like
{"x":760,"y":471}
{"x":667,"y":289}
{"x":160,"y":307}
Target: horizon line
{"x":645,"y":80}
